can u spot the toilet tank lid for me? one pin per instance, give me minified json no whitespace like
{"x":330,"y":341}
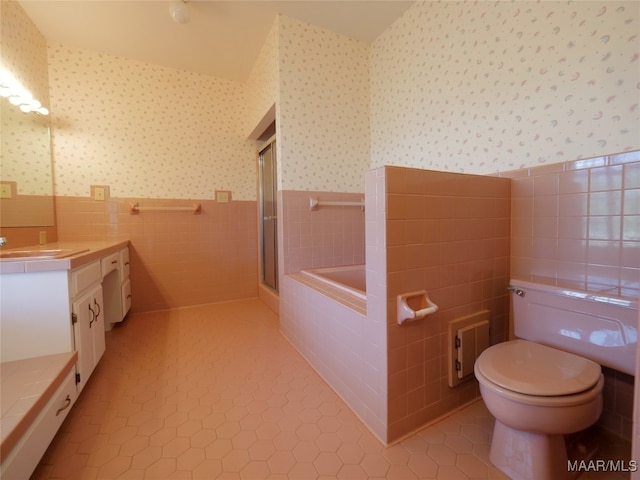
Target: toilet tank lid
{"x":569,"y":289}
{"x":535,"y":369}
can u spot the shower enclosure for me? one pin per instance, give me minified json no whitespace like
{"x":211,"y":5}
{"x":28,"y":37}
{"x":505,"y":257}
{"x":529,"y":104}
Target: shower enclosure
{"x":268,"y":214}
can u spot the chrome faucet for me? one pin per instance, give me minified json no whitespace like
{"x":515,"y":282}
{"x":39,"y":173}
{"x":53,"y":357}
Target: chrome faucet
{"x":3,"y":241}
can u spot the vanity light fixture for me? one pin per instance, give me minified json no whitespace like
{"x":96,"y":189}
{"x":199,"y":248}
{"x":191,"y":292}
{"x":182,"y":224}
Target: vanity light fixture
{"x":19,"y":96}
{"x":179,"y":11}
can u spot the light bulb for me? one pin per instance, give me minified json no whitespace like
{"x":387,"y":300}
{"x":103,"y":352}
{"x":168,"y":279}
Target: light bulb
{"x":179,"y":11}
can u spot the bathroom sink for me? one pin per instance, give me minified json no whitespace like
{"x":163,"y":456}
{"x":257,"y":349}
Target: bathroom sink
{"x":39,"y":254}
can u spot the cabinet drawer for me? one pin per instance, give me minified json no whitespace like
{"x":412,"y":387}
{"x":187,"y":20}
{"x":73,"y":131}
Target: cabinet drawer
{"x":110,"y":263}
{"x":124,"y":263}
{"x":84,"y":277}
{"x":126,"y":297}
{"x":25,"y":456}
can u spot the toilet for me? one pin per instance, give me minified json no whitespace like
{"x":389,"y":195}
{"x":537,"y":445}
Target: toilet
{"x":548,"y":382}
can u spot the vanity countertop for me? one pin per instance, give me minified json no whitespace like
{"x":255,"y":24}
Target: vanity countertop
{"x":76,"y":254}
{"x":26,"y":387}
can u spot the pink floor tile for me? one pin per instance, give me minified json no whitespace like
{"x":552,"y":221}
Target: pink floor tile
{"x":216,"y":392}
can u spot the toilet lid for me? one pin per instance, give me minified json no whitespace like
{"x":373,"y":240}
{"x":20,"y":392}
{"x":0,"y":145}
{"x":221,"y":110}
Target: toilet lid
{"x":534,"y":369}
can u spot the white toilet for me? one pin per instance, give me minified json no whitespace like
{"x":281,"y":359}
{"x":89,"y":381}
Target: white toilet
{"x":548,"y":382}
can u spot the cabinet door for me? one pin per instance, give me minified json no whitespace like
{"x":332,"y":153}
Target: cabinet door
{"x":88,"y":332}
{"x":126,"y":297}
{"x":124,"y":262}
{"x":84,"y":316}
{"x":98,"y":326}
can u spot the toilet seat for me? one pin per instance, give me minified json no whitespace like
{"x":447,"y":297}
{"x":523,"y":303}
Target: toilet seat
{"x":530,"y":368}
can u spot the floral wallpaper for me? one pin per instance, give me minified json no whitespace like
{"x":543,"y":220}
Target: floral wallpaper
{"x":324,"y":109}
{"x":475,"y":87}
{"x":481,"y":87}
{"x":24,"y":50}
{"x":262,"y":85}
{"x":145,"y":130}
{"x":25,"y":142}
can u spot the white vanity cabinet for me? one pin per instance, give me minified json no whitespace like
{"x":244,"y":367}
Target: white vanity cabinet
{"x":125,"y":282}
{"x":88,"y":327}
{"x":62,"y":309}
{"x":21,"y":459}
{"x":116,"y":286}
{"x":53,"y":311}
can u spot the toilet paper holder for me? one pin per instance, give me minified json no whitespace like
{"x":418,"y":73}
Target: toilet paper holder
{"x":414,"y":306}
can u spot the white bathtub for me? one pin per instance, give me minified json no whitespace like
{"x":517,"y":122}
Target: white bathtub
{"x":350,"y":279}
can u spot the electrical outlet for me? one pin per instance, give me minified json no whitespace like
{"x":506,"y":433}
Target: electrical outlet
{"x":98,"y":193}
{"x":5,"y":191}
{"x":43,"y":237}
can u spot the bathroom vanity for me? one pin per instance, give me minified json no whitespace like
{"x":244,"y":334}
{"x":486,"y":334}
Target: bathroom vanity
{"x":56,"y":301}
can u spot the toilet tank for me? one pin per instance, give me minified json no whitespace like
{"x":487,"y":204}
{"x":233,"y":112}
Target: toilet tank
{"x":598,"y":326}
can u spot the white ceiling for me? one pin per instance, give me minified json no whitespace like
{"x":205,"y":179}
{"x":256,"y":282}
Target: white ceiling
{"x":223,"y":38}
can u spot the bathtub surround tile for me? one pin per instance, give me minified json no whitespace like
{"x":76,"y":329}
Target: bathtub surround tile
{"x":330,"y":336}
{"x":330,"y":236}
{"x":446,"y":233}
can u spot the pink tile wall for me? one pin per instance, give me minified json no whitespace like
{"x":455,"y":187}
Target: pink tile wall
{"x":346,"y":347}
{"x":339,"y":342}
{"x":376,"y":264}
{"x":27,"y":236}
{"x":23,"y":210}
{"x":449,"y":234}
{"x":177,"y":259}
{"x":328,"y":237}
{"x":579,"y":221}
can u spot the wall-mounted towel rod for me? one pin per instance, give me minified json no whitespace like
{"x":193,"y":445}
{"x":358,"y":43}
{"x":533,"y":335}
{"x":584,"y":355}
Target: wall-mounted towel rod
{"x":196,"y":208}
{"x":314,"y":203}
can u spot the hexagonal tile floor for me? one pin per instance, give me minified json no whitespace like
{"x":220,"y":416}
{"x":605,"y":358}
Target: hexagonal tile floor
{"x":216,"y":392}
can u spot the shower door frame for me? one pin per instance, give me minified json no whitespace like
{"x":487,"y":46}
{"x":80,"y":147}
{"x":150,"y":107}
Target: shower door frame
{"x":268,"y":219}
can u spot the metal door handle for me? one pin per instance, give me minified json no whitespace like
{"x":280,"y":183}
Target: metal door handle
{"x":270,"y":217}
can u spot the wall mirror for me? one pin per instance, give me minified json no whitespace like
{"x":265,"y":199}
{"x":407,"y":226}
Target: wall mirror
{"x":26,"y":167}
{"x":26,"y":173}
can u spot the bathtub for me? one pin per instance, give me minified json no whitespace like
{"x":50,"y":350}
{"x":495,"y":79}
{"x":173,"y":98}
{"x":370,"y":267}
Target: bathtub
{"x":350,"y":279}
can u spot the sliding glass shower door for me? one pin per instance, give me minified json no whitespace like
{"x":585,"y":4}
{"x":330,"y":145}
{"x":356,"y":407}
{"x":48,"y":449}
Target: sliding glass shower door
{"x":269,"y":215}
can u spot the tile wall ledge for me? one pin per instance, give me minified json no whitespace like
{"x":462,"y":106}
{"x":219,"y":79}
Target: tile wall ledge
{"x":581,"y":164}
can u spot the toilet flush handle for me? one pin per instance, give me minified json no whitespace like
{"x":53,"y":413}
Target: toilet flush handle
{"x":517,"y":291}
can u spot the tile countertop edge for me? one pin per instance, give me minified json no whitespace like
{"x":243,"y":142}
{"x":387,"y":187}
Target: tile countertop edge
{"x":12,"y":437}
{"x":92,"y":250}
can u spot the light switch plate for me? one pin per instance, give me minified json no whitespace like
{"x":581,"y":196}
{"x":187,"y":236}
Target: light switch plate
{"x":100,"y":192}
{"x":5,"y":190}
{"x":223,"y":196}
